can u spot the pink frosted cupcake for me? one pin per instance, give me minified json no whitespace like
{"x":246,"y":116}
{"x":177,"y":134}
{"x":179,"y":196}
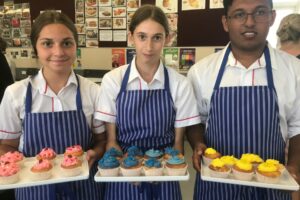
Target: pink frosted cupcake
{"x":41,"y":170}
{"x":71,"y":166}
{"x":153,"y":167}
{"x":12,"y":156}
{"x":46,"y":153}
{"x":75,"y":150}
{"x":9,"y":172}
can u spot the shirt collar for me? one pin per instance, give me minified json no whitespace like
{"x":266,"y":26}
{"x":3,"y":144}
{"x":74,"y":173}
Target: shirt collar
{"x":134,"y":74}
{"x":259,"y":63}
{"x":41,"y":83}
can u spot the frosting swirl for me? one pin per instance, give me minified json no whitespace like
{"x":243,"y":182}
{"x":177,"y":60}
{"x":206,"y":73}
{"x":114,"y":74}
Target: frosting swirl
{"x":8,"y":169}
{"x":130,"y":161}
{"x":243,"y":164}
{"x":134,"y":151}
{"x":70,"y":160}
{"x":12,"y":156}
{"x":210,"y":151}
{"x":114,"y":152}
{"x":47,"y":153}
{"x":217,"y":163}
{"x":73,"y":149}
{"x":267,"y":167}
{"x":154,"y":153}
{"x":42,"y":164}
{"x":171,"y":151}
{"x":108,"y":162}
{"x":175,"y":160}
{"x":153,"y":162}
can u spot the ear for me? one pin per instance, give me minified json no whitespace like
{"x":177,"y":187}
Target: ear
{"x":130,"y":37}
{"x":273,"y":17}
{"x":225,"y":23}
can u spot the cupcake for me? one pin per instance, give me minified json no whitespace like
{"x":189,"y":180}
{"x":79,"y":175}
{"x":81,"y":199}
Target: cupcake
{"x":169,"y":152}
{"x":9,"y":172}
{"x":71,"y":166}
{"x":280,"y":166}
{"x":108,"y":166}
{"x":41,"y":170}
{"x":228,"y":160}
{"x":153,"y":167}
{"x":243,"y":170}
{"x":176,"y":166}
{"x":152,"y":153}
{"x":12,"y":156}
{"x":75,"y":150}
{"x":131,"y":166}
{"x":46,"y":153}
{"x":267,"y":173}
{"x":114,"y":152}
{"x":218,"y":168}
{"x":209,"y":155}
{"x":135,"y":152}
{"x":254,"y":159}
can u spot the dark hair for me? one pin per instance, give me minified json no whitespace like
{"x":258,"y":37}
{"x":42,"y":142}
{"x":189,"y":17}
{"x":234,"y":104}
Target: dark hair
{"x":50,"y":17}
{"x":149,"y":12}
{"x":228,"y":3}
{"x":3,"y":45}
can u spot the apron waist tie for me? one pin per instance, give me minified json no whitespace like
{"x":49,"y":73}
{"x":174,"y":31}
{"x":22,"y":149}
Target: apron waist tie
{"x":151,"y":189}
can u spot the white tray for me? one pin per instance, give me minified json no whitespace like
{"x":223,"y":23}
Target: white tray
{"x":141,"y":178}
{"x":286,"y":182}
{"x":56,"y":177}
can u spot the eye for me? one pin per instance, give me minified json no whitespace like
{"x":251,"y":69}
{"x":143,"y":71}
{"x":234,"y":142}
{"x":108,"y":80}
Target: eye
{"x":157,"y":38}
{"x":239,"y":15}
{"x":47,"y":44}
{"x":142,"y":37}
{"x":260,"y":12}
{"x":68,"y":43}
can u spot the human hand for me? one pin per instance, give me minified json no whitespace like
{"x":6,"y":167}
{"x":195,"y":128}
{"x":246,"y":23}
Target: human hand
{"x":91,"y":157}
{"x":197,"y":155}
{"x":294,"y":172}
{"x":113,"y":145}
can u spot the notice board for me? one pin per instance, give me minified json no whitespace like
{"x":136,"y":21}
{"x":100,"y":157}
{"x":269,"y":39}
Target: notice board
{"x":195,"y":27}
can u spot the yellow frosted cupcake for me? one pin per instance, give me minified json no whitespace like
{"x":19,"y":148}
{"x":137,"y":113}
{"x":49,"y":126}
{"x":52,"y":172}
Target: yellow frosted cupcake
{"x":243,"y":170}
{"x":267,"y":173}
{"x":229,"y":160}
{"x":280,"y":166}
{"x":218,"y":168}
{"x":209,"y":155}
{"x":254,"y":159}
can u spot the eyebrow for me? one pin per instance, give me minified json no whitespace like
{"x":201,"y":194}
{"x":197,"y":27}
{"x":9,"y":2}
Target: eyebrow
{"x":64,"y":39}
{"x":258,"y":7}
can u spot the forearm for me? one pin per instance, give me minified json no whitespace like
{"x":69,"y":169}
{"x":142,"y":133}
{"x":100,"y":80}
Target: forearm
{"x":179,"y":137}
{"x":8,"y":145}
{"x":111,"y":131}
{"x":99,"y":144}
{"x":195,"y":135}
{"x":293,"y":153}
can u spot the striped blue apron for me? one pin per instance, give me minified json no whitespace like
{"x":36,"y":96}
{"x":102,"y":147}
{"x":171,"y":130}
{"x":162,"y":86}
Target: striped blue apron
{"x":243,"y":120}
{"x":58,"y":130}
{"x":145,"y":118}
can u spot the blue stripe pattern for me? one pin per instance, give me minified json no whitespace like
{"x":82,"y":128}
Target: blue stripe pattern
{"x":58,"y":130}
{"x":243,"y":120}
{"x":145,"y":118}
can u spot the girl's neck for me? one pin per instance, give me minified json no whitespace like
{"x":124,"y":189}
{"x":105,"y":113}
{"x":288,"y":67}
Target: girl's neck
{"x":56,"y":81}
{"x":147,"y":70}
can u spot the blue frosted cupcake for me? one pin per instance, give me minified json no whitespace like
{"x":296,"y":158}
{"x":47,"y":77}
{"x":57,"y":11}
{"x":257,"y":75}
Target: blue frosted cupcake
{"x":176,"y":166}
{"x":114,"y":153}
{"x":153,"y":167}
{"x":152,"y":153}
{"x":169,"y":152}
{"x":131,"y":166}
{"x":135,"y":152}
{"x":108,"y":166}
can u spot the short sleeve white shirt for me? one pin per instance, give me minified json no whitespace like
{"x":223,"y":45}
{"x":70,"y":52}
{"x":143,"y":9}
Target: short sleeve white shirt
{"x":286,"y":77}
{"x":181,"y":91}
{"x":12,"y":108}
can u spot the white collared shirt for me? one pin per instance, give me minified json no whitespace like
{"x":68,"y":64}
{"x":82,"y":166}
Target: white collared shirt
{"x":286,"y":77}
{"x":180,"y":88}
{"x":12,"y":108}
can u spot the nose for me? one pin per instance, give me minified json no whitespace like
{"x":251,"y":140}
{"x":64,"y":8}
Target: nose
{"x":249,"y":21}
{"x":58,"y":50}
{"x":149,"y":44}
